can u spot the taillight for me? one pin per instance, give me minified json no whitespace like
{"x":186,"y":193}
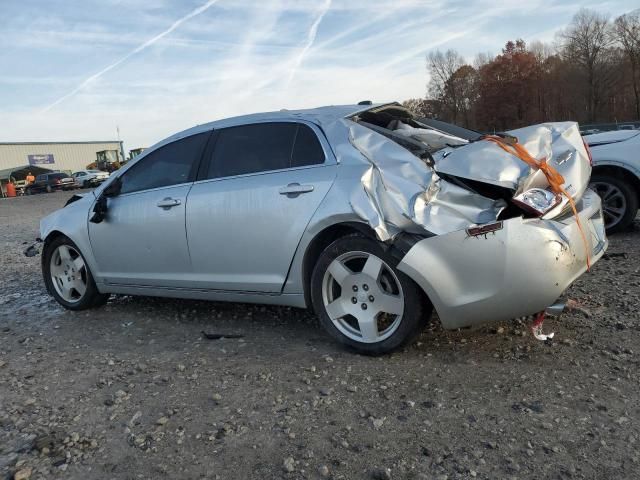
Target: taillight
{"x":57,"y":181}
{"x":586,"y":147}
{"x":537,"y":201}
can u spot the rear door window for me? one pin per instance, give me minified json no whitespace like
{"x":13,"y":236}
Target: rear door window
{"x":171,"y":164}
{"x":251,"y":149}
{"x":263,"y":147}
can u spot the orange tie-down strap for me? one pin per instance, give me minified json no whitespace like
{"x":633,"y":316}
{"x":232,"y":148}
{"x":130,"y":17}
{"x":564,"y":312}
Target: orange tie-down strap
{"x":556,"y":181}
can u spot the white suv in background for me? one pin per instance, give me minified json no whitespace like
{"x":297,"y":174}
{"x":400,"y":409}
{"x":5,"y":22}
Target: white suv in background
{"x":89,"y":178}
{"x":616,"y":175}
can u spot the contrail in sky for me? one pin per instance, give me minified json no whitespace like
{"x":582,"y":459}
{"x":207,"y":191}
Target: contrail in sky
{"x":138,"y":49}
{"x":311,"y":36}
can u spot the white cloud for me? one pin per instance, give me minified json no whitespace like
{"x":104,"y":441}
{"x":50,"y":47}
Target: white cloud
{"x":241,"y":56}
{"x":136,"y":50}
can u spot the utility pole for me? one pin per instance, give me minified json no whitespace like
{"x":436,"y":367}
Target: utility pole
{"x":121,"y":147}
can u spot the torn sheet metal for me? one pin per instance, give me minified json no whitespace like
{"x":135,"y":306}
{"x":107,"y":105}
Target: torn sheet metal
{"x":559,"y":143}
{"x":402,"y":193}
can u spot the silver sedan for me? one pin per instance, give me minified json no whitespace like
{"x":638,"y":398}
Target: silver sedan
{"x":364,"y":213}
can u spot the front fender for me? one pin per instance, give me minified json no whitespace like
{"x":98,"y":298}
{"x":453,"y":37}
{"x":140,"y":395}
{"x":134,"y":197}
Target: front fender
{"x":72,"y":222}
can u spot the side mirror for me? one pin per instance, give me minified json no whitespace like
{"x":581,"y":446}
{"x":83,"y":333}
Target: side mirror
{"x":101,"y":207}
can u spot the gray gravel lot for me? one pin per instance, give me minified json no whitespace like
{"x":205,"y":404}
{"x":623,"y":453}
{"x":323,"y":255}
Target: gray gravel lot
{"x":133,"y":390}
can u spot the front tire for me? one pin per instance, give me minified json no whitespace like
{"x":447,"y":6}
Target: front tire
{"x":67,"y":276}
{"x":619,"y":201}
{"x":363,"y":300}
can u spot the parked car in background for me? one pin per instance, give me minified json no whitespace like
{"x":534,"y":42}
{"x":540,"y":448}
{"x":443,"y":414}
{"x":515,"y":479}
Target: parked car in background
{"x":49,"y":182}
{"x":362,"y":212}
{"x":616,"y":175}
{"x":89,"y":178}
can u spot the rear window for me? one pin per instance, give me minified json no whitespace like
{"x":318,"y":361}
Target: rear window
{"x":58,"y":175}
{"x":307,"y":149}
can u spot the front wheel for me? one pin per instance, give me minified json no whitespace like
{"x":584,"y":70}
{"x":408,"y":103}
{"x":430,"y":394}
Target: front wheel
{"x":363,"y":300}
{"x":68,"y":278}
{"x":619,"y":201}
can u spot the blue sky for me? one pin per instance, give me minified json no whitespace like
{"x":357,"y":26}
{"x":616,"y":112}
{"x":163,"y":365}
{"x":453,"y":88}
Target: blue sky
{"x":74,"y":70}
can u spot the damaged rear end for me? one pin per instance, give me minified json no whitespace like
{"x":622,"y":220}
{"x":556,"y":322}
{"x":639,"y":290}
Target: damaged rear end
{"x":507,"y":222}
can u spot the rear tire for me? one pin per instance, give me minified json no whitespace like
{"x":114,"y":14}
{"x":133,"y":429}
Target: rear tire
{"x":67,"y":276}
{"x":49,"y":189}
{"x":619,"y":201}
{"x":363,"y":300}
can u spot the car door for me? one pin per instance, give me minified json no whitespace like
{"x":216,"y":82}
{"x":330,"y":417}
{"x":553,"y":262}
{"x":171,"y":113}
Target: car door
{"x":258,"y":188}
{"x":142,"y":240}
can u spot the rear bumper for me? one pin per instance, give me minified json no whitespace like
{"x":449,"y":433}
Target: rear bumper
{"x":521,"y":269}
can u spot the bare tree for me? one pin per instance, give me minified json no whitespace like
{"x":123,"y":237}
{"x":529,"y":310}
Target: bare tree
{"x":441,"y":68}
{"x":626,"y":30}
{"x":586,"y":43}
{"x":422,"y":107}
{"x":482,"y":59}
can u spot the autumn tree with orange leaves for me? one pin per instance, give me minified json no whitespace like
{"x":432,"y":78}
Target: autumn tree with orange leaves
{"x":591,"y":74}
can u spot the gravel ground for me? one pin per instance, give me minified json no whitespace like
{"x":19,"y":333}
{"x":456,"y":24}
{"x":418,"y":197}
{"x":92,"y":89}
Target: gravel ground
{"x":133,"y":390}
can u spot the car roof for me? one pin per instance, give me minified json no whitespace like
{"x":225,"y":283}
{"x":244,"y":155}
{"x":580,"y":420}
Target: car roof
{"x":321,"y":116}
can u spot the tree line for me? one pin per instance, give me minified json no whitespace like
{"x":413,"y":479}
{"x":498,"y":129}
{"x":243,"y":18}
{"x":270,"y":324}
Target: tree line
{"x":590,"y":74}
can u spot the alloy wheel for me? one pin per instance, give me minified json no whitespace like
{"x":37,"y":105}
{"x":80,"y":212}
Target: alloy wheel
{"x":363,"y":297}
{"x":68,"y":273}
{"x":614,"y":203}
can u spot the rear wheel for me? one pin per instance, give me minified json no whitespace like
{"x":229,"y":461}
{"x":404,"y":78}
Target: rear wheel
{"x":363,"y":300}
{"x":619,"y":201}
{"x":68,"y":278}
{"x":49,"y":189}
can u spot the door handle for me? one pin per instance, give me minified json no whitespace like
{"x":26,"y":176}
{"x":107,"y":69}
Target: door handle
{"x":168,"y":202}
{"x":295,"y":189}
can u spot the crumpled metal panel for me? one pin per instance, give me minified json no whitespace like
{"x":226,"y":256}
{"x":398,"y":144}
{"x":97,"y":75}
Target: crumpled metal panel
{"x":400,"y":192}
{"x":559,"y":142}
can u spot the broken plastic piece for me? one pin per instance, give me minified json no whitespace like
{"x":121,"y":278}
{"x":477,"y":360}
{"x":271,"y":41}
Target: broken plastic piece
{"x":536,"y":328}
{"x":32,"y":250}
{"x":218,"y":336}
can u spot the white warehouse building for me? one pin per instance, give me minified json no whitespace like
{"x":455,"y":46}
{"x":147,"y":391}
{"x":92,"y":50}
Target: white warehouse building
{"x":62,"y":156}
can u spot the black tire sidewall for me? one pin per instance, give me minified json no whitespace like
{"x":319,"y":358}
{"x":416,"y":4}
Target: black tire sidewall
{"x":416,"y":311}
{"x":91,"y":298}
{"x":631,"y":197}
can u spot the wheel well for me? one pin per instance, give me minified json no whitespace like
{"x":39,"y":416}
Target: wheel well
{"x":46,"y":241}
{"x":330,"y":234}
{"x":321,"y":241}
{"x":52,"y":236}
{"x":621,"y":173}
